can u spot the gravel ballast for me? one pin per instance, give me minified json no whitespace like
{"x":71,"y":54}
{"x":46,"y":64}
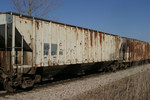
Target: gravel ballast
{"x":73,"y":88}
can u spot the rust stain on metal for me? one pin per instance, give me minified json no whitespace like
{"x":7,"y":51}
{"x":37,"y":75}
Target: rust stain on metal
{"x":137,"y":50}
{"x":19,"y":58}
{"x":25,"y":18}
{"x":86,"y":38}
{"x":36,"y":65}
{"x":100,"y":36}
{"x":95,"y":38}
{"x":148,"y":50}
{"x":76,"y":31}
{"x":76,"y":60}
{"x":117,"y":40}
{"x":95,"y":33}
{"x":37,"y":24}
{"x":104,"y":37}
{"x":91,"y":38}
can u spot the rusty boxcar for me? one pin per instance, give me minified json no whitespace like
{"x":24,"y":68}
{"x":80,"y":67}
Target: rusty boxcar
{"x":137,"y":50}
{"x":33,"y":49}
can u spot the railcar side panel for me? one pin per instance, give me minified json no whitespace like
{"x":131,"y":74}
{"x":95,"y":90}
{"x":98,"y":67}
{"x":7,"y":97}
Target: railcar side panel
{"x":79,"y":45}
{"x":58,"y":44}
{"x":138,"y":50}
{"x":25,"y":28}
{"x":68,"y":44}
{"x":46,"y":44}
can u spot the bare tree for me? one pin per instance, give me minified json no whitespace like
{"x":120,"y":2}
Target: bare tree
{"x":39,"y":8}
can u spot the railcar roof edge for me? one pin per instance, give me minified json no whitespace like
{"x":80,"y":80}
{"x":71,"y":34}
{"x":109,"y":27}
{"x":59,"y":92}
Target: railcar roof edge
{"x":32,"y":17}
{"x":135,"y":39}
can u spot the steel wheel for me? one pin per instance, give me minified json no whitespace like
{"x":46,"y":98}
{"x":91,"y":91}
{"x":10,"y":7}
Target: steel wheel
{"x":8,"y":85}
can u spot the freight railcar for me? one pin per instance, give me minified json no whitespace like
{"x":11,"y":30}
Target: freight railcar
{"x":134,"y":52}
{"x":34,"y":50}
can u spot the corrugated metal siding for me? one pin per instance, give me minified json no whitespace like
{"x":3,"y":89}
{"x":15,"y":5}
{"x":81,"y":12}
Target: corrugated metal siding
{"x":138,"y":50}
{"x":60,"y":44}
{"x":67,"y":45}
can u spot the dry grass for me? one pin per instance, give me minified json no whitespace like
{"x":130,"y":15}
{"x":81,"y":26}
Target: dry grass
{"x":135,"y":87}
